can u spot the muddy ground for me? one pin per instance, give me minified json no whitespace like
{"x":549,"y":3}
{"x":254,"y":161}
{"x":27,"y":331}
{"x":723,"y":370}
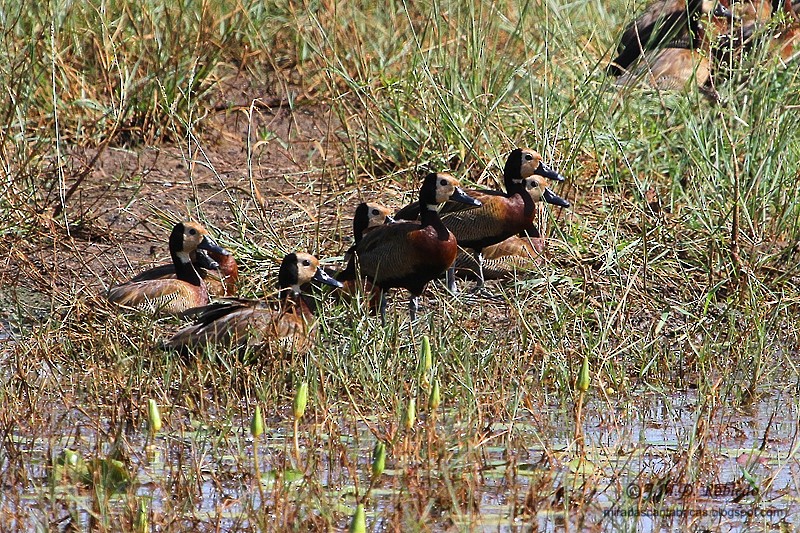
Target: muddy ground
{"x":119,"y":216}
{"x":117,"y":219}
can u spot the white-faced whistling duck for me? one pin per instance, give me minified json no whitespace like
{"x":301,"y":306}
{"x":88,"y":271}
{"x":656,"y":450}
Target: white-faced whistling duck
{"x":682,"y":60}
{"x":218,"y":270}
{"x":754,"y":15}
{"x":256,"y":322}
{"x":749,"y":18}
{"x":176,"y":295}
{"x":787,"y":42}
{"x":500,"y":215}
{"x":663,"y":21}
{"x":410,"y":254}
{"x":368,"y":215}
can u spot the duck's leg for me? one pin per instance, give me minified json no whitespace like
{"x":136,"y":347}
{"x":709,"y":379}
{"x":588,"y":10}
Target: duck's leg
{"x":413,"y":307}
{"x":451,"y":279}
{"x":382,"y":306}
{"x":479,"y":260}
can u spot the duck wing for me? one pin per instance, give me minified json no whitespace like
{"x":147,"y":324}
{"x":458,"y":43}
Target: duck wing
{"x":383,"y":250}
{"x":158,"y":295}
{"x":242,"y":323}
{"x":661,"y":22}
{"x":209,"y":313}
{"x":161,"y":271}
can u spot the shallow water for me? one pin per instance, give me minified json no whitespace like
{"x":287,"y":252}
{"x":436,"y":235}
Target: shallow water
{"x":6,"y":334}
{"x":643,"y":469}
{"x":21,"y":307}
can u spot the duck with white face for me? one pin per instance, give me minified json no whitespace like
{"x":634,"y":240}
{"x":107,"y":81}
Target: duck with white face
{"x":219,"y":271}
{"x":501,"y":214}
{"x":286,"y":320}
{"x":171,"y":295}
{"x":368,"y":216}
{"x":409,"y":254}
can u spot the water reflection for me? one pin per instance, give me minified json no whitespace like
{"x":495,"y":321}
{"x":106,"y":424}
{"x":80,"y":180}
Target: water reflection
{"x":651,"y":463}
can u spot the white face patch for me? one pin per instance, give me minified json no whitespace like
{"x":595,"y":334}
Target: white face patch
{"x":434,"y":207}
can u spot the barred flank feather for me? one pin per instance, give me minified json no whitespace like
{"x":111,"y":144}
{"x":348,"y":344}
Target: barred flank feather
{"x":502,"y":259}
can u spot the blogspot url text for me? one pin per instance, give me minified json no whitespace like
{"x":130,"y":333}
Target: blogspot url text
{"x":771,"y":514}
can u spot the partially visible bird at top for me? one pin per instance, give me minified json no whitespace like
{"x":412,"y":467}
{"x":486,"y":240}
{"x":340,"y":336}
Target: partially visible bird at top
{"x":663,"y":22}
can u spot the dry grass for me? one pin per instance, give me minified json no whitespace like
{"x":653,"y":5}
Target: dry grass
{"x":674,"y":274}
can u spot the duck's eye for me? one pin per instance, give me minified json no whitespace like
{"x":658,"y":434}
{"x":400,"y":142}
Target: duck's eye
{"x":306,"y":262}
{"x":528,"y":157}
{"x":192,"y":231}
{"x":443,"y":183}
{"x":375,"y":212}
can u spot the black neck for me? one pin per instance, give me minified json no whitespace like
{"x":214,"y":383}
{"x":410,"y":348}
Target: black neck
{"x":430,"y":217}
{"x":527,"y":201}
{"x":296,"y":302}
{"x":694,"y":8}
{"x":512,"y":169}
{"x":360,"y":221}
{"x":184,"y":270}
{"x":697,"y":33}
{"x":509,"y":184}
